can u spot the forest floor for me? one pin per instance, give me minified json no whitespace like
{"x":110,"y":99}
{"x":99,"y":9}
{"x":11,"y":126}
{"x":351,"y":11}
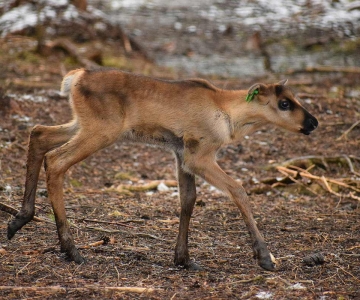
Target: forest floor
{"x":315,"y":216}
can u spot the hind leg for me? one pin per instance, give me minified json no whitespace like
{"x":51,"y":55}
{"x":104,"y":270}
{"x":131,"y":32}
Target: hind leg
{"x":187,"y":191}
{"x":57,"y":162}
{"x":42,"y":140}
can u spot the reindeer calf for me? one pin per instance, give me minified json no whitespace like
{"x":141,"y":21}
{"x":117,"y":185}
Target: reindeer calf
{"x":193,"y":118}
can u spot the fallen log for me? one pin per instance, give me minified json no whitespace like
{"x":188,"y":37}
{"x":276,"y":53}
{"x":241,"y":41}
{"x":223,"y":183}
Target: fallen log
{"x":325,"y":69}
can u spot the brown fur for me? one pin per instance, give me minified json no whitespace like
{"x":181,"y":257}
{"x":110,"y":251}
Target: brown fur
{"x":193,"y":118}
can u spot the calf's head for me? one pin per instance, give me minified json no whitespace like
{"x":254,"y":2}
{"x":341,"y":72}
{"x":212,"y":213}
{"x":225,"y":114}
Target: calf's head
{"x":277,"y":104}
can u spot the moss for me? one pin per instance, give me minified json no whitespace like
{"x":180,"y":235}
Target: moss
{"x":29,"y":56}
{"x":70,"y":62}
{"x":349,"y":46}
{"x":119,"y":62}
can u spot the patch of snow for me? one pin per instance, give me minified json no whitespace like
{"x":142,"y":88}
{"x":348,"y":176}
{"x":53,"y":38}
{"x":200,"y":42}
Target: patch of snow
{"x":296,"y":286}
{"x":214,"y":189}
{"x":21,"y":118}
{"x":55,"y":2}
{"x":17,"y":19}
{"x":162,"y":187}
{"x":28,"y":97}
{"x":264,"y":295}
{"x":328,"y":15}
{"x":29,"y":15}
{"x":70,"y":13}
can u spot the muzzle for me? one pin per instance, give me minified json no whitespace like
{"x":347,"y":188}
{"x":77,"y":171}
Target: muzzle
{"x":310,"y":123}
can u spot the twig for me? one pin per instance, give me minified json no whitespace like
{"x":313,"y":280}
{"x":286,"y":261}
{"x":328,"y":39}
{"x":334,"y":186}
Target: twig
{"x":323,"y":179}
{"x":256,"y":278}
{"x":347,"y":272}
{"x":8,"y":209}
{"x":318,"y":160}
{"x":173,"y":296}
{"x":340,"y":183}
{"x":351,"y":167}
{"x":351,"y":195}
{"x":307,"y":174}
{"x":353,"y":247}
{"x":85,"y":288}
{"x":345,"y":134}
{"x":282,"y":170}
{"x":127,"y":232}
{"x":109,"y":222}
{"x":105,"y":240}
{"x":39,"y":289}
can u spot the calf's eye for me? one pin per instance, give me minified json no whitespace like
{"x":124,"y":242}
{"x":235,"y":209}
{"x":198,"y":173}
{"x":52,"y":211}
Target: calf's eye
{"x":285,"y":104}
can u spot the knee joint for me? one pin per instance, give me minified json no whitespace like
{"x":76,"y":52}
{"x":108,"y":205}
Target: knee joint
{"x":53,"y":165}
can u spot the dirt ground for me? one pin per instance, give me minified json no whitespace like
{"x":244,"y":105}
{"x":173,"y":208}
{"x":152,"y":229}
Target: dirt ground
{"x":140,"y":227}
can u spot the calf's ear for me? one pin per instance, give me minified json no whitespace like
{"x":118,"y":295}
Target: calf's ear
{"x":282,"y":82}
{"x":254,"y":91}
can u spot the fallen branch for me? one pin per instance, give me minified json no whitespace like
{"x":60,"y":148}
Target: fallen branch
{"x":126,"y":189}
{"x":72,"y":51}
{"x":140,"y":234}
{"x":85,"y":288}
{"x":321,"y":161}
{"x":321,"y":180}
{"x":13,"y":211}
{"x":325,"y":69}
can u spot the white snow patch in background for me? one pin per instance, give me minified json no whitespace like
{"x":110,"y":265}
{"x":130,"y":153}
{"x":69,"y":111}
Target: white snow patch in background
{"x":296,"y":286}
{"x":162,"y":187}
{"x":264,"y":295}
{"x":288,"y":11}
{"x":18,"y":19}
{"x":273,"y":14}
{"x":26,"y":15}
{"x":29,"y":97}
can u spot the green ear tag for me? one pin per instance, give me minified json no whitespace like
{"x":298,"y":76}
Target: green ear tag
{"x":251,"y":96}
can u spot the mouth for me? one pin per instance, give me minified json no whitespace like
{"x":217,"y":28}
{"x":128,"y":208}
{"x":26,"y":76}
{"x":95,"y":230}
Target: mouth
{"x":304,"y":131}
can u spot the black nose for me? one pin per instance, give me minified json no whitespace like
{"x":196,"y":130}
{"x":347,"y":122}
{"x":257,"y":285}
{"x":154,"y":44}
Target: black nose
{"x":310,"y":123}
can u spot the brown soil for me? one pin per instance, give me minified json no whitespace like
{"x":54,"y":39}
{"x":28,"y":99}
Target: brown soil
{"x":142,"y":227}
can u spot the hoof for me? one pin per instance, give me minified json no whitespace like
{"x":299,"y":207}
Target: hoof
{"x":265,"y":259}
{"x":16,"y":224}
{"x":11,"y":231}
{"x":74,"y":255}
{"x":268,"y":262}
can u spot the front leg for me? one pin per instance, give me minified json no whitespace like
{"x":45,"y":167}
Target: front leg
{"x":204,"y":165}
{"x":187,"y":191}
